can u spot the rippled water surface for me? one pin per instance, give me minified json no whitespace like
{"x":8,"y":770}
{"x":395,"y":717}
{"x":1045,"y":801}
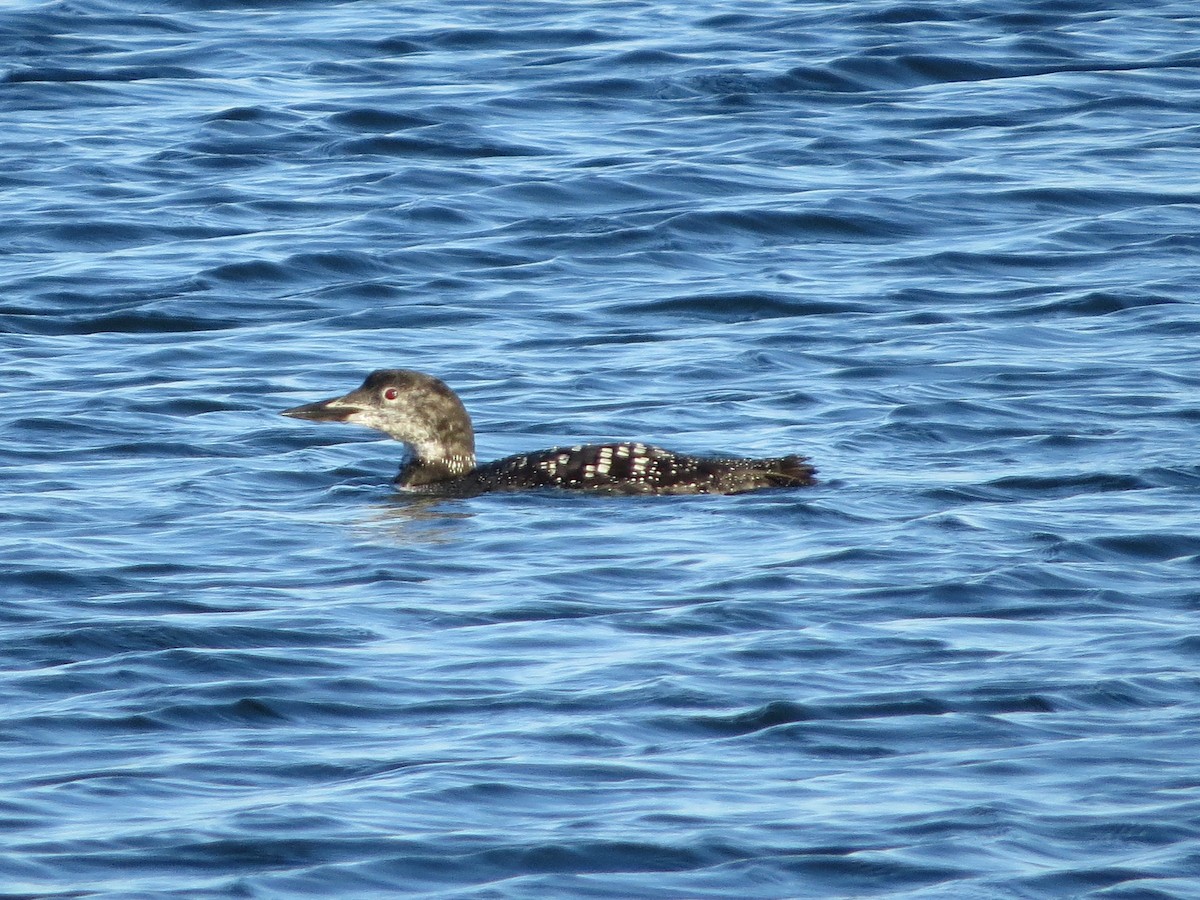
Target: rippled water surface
{"x":949,"y":250}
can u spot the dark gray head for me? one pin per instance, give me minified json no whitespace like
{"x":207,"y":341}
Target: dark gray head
{"x":417,"y":409}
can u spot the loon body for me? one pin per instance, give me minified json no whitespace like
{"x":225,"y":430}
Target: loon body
{"x":425,"y":414}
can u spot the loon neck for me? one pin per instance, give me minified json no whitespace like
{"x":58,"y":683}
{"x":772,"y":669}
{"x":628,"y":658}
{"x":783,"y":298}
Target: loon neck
{"x":430,"y":470}
{"x":442,"y":446}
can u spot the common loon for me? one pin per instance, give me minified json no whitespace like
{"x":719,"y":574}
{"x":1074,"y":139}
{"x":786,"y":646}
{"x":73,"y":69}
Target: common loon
{"x":424,"y":413}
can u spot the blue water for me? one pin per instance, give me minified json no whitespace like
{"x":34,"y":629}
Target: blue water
{"x":949,"y":250}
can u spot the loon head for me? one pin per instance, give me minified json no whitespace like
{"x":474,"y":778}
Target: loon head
{"x":416,"y":409}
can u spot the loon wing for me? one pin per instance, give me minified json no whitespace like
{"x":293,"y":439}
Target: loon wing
{"x":635,"y":468}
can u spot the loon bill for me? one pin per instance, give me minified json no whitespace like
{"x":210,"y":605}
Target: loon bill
{"x":424,"y":413}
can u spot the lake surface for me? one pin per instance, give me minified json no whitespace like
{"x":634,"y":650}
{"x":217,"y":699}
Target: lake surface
{"x":948,"y":250}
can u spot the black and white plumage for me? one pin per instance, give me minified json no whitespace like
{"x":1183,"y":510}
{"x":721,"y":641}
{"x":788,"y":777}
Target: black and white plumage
{"x":424,"y":413}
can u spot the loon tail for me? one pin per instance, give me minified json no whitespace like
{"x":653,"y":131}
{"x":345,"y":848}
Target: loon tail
{"x":789,"y":471}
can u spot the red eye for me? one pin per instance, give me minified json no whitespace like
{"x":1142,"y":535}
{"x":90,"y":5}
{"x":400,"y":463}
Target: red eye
{"x":391,"y":394}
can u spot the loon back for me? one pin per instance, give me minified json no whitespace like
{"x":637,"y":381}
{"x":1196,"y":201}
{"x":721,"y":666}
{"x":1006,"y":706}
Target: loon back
{"x":424,"y":413}
{"x":632,"y":468}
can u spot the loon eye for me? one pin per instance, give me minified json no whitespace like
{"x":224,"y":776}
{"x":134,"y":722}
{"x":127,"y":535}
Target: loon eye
{"x":391,"y":394}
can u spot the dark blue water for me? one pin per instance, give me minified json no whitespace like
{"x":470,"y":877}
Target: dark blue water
{"x":949,"y":250}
